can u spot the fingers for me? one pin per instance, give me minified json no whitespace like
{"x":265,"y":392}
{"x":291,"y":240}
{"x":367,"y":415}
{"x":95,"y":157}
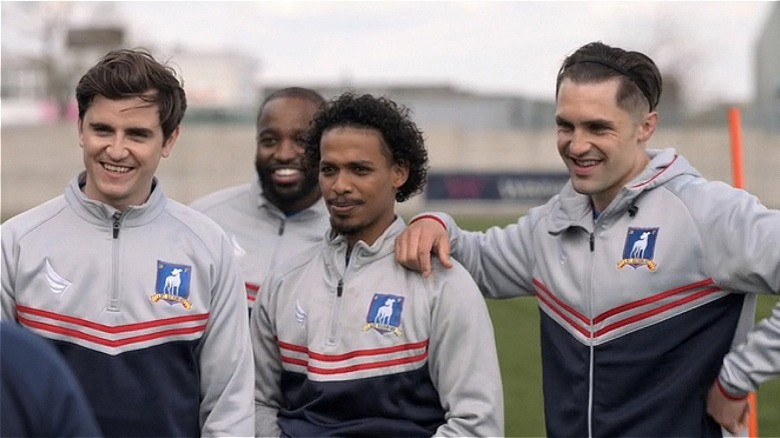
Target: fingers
{"x":732,"y":414}
{"x":413,"y":247}
{"x":443,"y":249}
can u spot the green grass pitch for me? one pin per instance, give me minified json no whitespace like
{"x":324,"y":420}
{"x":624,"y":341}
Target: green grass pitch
{"x":516,"y":324}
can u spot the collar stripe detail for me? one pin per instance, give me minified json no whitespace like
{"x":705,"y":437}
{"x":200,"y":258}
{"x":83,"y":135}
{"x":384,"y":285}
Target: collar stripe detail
{"x":654,"y":298}
{"x":657,"y":311}
{"x":353,"y":364}
{"x":628,"y":317}
{"x":360,"y":367}
{"x":657,"y":175}
{"x":351,"y":354}
{"x":108,"y":342}
{"x":45,"y":314}
{"x":112,"y":340}
{"x":573,"y":324}
{"x":251,"y":292}
{"x":543,"y":291}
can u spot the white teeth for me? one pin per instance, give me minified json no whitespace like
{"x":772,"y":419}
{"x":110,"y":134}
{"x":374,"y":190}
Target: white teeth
{"x":113,"y":168}
{"x":286,"y":172}
{"x":585,"y":163}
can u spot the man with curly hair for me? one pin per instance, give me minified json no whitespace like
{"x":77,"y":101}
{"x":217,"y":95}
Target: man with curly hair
{"x":348,"y":342}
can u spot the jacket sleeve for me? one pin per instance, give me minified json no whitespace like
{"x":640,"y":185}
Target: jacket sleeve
{"x":7,"y":300}
{"x":226,"y":356}
{"x":499,"y":259}
{"x":267,"y":364}
{"x":755,"y":361}
{"x":463,"y":360}
{"x":739,"y":236}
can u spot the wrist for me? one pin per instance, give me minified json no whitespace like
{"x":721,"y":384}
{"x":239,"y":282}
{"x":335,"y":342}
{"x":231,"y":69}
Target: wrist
{"x":727,"y":393}
{"x":429,"y":216}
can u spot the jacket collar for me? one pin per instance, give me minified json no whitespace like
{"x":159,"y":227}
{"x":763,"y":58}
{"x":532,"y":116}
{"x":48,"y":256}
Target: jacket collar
{"x":362,"y":252}
{"x":572,"y":209}
{"x":99,"y":213}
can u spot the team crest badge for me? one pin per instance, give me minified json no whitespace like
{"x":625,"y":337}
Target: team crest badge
{"x":639,"y":248}
{"x":173,"y":284}
{"x":384,"y":314}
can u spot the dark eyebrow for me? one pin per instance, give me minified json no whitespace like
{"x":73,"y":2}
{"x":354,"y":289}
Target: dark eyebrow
{"x":140,"y":131}
{"x":560,"y":121}
{"x":98,"y":125}
{"x":599,"y":124}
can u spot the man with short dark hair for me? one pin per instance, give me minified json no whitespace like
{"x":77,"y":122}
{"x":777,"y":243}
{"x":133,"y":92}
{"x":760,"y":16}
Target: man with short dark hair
{"x":645,"y":273}
{"x":281,"y":212}
{"x":140,"y":294}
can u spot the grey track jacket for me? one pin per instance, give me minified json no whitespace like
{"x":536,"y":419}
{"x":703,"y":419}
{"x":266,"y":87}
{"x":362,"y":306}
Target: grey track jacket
{"x":261,"y":235}
{"x":372,"y":349}
{"x":639,"y":306}
{"x":146,"y":306}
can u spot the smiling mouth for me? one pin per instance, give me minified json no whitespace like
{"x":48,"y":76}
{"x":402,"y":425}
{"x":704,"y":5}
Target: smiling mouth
{"x":116,"y":169}
{"x":286,"y":172}
{"x":286,"y":175}
{"x":584,"y":163}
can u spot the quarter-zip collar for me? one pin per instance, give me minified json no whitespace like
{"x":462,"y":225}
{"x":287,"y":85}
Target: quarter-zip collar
{"x":574,"y":209}
{"x":101,"y":214}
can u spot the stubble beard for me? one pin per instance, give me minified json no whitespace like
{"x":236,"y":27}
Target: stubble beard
{"x":290,"y":194}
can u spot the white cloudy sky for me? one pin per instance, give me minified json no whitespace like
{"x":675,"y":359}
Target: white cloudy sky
{"x":485,"y":46}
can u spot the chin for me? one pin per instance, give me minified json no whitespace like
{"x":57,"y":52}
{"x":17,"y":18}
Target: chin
{"x":583,"y":187}
{"x":345,"y":228}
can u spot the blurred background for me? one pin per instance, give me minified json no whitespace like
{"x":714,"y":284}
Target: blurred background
{"x":478,"y":76}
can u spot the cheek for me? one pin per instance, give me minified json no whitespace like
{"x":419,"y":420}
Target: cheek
{"x":324,"y":182}
{"x":561,"y":145}
{"x":260,"y":156}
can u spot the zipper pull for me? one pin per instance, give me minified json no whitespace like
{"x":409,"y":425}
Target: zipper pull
{"x":340,"y":288}
{"x":115,"y":225}
{"x":592,"y":242}
{"x":281,"y":227}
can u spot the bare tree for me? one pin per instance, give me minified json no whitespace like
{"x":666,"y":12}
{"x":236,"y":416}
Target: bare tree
{"x":679,"y":57}
{"x":38,"y":32}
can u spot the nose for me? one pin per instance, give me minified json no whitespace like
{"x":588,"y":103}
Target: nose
{"x":341,"y":183}
{"x":288,"y":150}
{"x":579,"y":143}
{"x":116,"y":150}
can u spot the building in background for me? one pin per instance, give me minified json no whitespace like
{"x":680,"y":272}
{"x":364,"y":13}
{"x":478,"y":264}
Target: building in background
{"x":441,"y":105}
{"x":767,"y":73}
{"x":39,"y":90}
{"x":220,"y":86}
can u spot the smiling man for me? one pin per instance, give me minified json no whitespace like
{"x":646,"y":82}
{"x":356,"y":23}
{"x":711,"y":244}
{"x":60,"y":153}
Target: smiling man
{"x":346,"y":341}
{"x":645,"y":273}
{"x":280,"y":213}
{"x":140,"y":294}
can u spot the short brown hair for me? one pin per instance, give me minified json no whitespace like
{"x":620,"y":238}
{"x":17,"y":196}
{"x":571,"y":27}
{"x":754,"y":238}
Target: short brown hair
{"x":127,"y":73}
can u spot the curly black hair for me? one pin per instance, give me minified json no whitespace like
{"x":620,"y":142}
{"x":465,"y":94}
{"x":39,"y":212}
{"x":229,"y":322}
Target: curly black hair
{"x":393,"y":121}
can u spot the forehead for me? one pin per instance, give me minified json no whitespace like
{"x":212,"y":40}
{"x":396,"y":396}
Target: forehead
{"x":127,"y":111}
{"x":588,"y":97}
{"x":346,"y":143}
{"x":287,"y":109}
